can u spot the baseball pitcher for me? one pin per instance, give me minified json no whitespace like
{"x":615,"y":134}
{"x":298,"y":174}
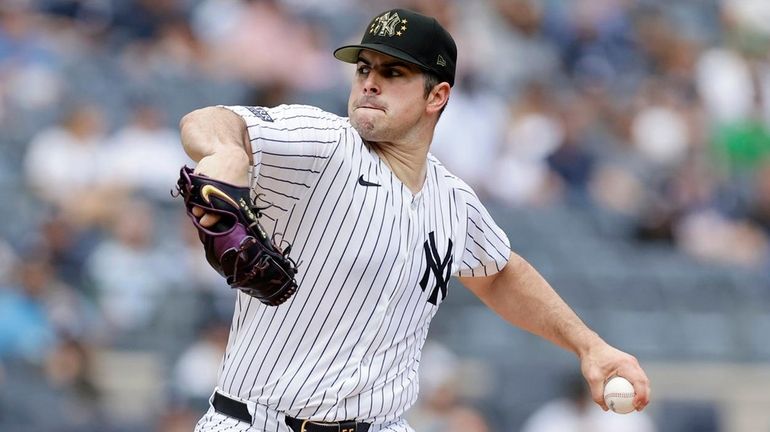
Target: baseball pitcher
{"x":341,"y":234}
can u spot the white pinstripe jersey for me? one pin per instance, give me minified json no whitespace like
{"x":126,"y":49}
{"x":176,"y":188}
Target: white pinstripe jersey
{"x":374,"y":263}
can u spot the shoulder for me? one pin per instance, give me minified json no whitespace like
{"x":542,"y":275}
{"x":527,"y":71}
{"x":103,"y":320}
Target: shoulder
{"x":447,"y":180}
{"x":305,"y":114}
{"x":293,"y":123}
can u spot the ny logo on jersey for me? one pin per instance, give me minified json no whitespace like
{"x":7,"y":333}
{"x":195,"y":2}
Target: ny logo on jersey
{"x":441,"y":268}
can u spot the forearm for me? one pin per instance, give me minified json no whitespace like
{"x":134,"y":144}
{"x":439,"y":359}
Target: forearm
{"x":217,"y":139}
{"x":211,"y":130}
{"x":521,"y":296}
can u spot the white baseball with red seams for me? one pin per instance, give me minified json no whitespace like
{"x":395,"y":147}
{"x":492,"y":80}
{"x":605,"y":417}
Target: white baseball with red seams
{"x":619,"y":395}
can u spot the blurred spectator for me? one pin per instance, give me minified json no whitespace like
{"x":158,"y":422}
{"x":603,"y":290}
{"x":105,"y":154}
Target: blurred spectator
{"x":758,"y":210}
{"x":440,"y":406}
{"x":25,"y":390}
{"x":575,"y":160}
{"x":55,"y":396}
{"x":145,"y":155}
{"x":39,"y":308}
{"x":69,"y":372}
{"x":713,"y":237}
{"x":26,"y":330}
{"x":8,"y":261}
{"x":196,"y":278}
{"x":751,"y":16}
{"x":596,"y":42}
{"x":196,"y":371}
{"x":67,"y":246}
{"x":261,"y":43}
{"x":196,"y":272}
{"x":520,"y":174}
{"x":143,"y":19}
{"x":740,"y":147}
{"x":64,"y":165}
{"x":86,"y":18}
{"x":445,"y":11}
{"x":692,"y":188}
{"x":171,"y":58}
{"x":178,"y":419}
{"x":733,"y":83}
{"x":724,"y":84}
{"x":660,"y":130}
{"x":130,"y":270}
{"x":508,"y":45}
{"x":576,"y":412}
{"x":614,"y":188}
{"x":470,"y":134}
{"x":28,"y":62}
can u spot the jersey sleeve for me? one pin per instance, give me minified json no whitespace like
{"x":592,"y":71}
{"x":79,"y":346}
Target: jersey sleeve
{"x":290,"y":144}
{"x":487,"y":248}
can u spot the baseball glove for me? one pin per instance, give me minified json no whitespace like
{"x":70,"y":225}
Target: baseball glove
{"x":237,"y":246}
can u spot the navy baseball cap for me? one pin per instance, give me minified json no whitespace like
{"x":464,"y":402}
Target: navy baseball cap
{"x":408,"y":36}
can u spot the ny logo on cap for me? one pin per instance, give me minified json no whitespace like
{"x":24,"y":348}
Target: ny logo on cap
{"x":385,"y":25}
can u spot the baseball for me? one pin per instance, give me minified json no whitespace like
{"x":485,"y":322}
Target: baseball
{"x":619,"y":395}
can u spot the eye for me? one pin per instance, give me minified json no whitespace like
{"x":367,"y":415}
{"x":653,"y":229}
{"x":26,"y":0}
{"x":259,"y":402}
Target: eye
{"x":394,"y":73}
{"x":362,"y":69}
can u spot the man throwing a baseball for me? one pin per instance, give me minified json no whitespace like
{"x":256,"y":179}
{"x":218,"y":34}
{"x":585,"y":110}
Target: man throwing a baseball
{"x":377,"y":226}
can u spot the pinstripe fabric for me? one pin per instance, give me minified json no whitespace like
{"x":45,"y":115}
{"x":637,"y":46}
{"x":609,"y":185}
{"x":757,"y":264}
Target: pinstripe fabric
{"x":373,"y":259}
{"x":213,"y":421}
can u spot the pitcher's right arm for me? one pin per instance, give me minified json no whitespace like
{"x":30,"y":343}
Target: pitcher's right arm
{"x":216,"y":138}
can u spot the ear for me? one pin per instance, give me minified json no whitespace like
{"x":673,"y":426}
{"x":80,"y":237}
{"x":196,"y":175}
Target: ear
{"x":438,"y":97}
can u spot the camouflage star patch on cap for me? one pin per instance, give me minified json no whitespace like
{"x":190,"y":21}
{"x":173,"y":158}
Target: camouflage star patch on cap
{"x":409,"y":36}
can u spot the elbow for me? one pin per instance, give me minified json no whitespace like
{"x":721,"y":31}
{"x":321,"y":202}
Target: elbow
{"x":197,"y":139}
{"x":185,"y":121}
{"x":187,"y":133}
{"x":213,"y":129}
{"x":189,"y":120}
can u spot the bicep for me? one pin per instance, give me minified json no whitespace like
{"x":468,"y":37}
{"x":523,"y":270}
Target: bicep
{"x":484,"y":286}
{"x":521,"y":296}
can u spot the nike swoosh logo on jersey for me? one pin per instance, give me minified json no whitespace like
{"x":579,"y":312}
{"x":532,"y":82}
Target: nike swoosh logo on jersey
{"x":208,"y":190}
{"x":363,"y":182}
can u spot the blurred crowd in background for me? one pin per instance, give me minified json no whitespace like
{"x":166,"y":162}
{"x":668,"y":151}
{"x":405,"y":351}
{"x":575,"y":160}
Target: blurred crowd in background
{"x":657,"y":112}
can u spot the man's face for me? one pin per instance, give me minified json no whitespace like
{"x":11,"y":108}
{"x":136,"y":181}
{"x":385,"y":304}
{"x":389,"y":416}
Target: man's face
{"x":387,"y":97}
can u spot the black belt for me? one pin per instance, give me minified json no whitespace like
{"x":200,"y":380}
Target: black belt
{"x":299,"y":425}
{"x":231,"y":407}
{"x":240,"y":411}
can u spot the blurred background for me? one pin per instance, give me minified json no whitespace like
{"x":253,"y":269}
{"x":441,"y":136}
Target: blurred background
{"x":622,"y":144}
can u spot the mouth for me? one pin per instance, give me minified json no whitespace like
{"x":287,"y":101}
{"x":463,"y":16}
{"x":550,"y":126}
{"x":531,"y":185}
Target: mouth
{"x":371,"y":106}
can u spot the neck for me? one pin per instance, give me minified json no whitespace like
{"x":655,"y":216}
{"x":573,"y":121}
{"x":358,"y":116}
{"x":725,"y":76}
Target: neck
{"x":408,"y":163}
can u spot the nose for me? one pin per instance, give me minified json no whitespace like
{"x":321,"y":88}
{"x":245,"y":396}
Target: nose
{"x":371,"y":85}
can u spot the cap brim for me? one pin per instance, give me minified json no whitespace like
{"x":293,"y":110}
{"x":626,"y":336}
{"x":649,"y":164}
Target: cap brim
{"x":349,"y":53}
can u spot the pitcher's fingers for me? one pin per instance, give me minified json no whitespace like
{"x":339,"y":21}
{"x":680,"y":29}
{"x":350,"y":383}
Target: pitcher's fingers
{"x":634,"y":373}
{"x":642,"y":389}
{"x":208,"y":220}
{"x":596,"y":386}
{"x":197,"y":211}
